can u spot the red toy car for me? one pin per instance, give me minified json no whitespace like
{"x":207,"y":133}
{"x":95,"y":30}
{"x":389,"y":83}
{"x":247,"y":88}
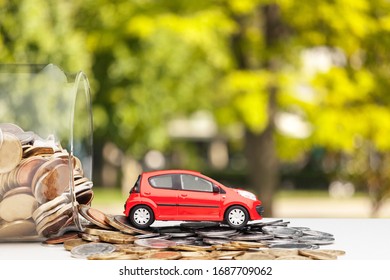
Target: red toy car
{"x":188,"y":196}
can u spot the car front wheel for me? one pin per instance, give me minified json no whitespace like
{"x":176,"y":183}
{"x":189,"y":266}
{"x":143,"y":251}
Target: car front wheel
{"x":236,"y":216}
{"x":141,"y":216}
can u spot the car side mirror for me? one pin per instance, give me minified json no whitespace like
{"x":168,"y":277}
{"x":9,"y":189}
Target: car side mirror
{"x":216,"y":189}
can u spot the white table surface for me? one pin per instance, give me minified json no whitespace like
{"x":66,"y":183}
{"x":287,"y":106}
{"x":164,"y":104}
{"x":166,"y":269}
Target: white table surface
{"x":361,"y":239}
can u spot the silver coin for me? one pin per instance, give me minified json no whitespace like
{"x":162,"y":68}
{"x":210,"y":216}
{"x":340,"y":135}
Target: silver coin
{"x":316,"y":240}
{"x":155,"y":243}
{"x":284,"y":232}
{"x":148,"y":235}
{"x":291,"y":246}
{"x":85,"y":250}
{"x":215,"y":241}
{"x":252,"y":236}
{"x":217,"y":233}
{"x":317,"y":233}
{"x":301,"y":228}
{"x":199,"y":225}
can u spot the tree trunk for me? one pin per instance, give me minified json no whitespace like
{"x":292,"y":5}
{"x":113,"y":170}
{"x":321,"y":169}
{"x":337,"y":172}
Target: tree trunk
{"x":262,"y":159}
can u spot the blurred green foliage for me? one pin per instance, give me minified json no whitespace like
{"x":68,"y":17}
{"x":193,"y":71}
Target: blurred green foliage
{"x":150,"y":62}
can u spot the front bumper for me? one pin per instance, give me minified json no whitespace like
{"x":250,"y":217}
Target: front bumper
{"x":260,"y":210}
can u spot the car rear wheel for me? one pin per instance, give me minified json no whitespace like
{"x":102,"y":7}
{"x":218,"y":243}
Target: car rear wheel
{"x":141,"y":216}
{"x":236,"y":216}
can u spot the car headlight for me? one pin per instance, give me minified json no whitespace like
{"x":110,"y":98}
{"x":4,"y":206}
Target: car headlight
{"x":246,"y":194}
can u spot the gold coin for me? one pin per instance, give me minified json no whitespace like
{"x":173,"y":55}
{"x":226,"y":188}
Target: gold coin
{"x":317,"y":255}
{"x":248,"y":244}
{"x":37,"y":150}
{"x":97,"y":231}
{"x":293,"y":258}
{"x":191,"y":248}
{"x":117,"y":238}
{"x":283,"y":252}
{"x":17,"y":229}
{"x":17,"y":207}
{"x":10,"y":152}
{"x":255,"y":256}
{"x":332,"y":252}
{"x":71,"y":243}
{"x":90,"y":237}
{"x":127,"y":257}
{"x":163,"y":255}
{"x":109,"y":256}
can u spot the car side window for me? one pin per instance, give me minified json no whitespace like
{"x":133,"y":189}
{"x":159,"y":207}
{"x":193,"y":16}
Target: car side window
{"x":163,"y":182}
{"x":194,"y":183}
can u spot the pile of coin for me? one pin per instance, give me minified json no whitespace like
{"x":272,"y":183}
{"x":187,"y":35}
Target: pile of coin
{"x":112,"y":237}
{"x":35,"y":180}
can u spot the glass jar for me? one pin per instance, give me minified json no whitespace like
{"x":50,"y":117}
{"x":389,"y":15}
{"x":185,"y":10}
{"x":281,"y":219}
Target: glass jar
{"x":45,"y":151}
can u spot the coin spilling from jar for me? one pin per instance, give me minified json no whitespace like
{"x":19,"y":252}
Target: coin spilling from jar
{"x":37,"y":180}
{"x":108,"y":237}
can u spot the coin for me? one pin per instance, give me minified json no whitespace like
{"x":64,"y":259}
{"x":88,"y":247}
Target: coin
{"x":317,"y":255}
{"x":53,"y":227}
{"x":52,"y":184}
{"x":25,"y":172}
{"x":11,"y":210}
{"x":117,"y":238}
{"x":123,"y":221}
{"x":221,"y":233}
{"x":10,"y":152}
{"x":44,"y":169}
{"x":10,"y":127}
{"x":317,"y":233}
{"x":215,"y":241}
{"x":18,"y":190}
{"x":17,"y":229}
{"x":62,"y":238}
{"x":106,"y":256}
{"x":316,"y":240}
{"x":255,"y":256}
{"x":85,"y":250}
{"x":155,"y":243}
{"x":199,"y":225}
{"x":71,"y":243}
{"x":97,"y":218}
{"x":291,"y":246}
{"x":90,"y":237}
{"x":97,"y":231}
{"x":111,"y":221}
{"x":293,"y":258}
{"x":283,"y":252}
{"x":163,"y":255}
{"x":253,"y":236}
{"x":248,"y":244}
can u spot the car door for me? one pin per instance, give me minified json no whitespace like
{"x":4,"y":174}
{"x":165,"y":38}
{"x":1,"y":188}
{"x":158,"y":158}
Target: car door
{"x":196,"y":199}
{"x":163,"y":192}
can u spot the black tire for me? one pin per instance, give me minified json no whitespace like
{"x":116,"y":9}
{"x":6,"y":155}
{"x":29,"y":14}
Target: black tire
{"x":236,"y":216}
{"x":141,"y":216}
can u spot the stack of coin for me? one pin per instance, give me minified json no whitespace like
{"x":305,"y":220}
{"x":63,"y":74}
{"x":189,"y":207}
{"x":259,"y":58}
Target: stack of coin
{"x":36,"y":185}
{"x":214,"y":241}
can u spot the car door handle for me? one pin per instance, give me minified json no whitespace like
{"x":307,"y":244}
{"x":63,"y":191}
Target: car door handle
{"x":183,"y":195}
{"x":147,"y":193}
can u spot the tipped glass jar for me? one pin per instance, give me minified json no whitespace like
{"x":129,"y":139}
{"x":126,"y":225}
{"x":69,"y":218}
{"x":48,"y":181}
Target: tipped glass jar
{"x":45,"y":151}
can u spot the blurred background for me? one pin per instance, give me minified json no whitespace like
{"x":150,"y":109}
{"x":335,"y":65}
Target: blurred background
{"x":288,"y":99}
